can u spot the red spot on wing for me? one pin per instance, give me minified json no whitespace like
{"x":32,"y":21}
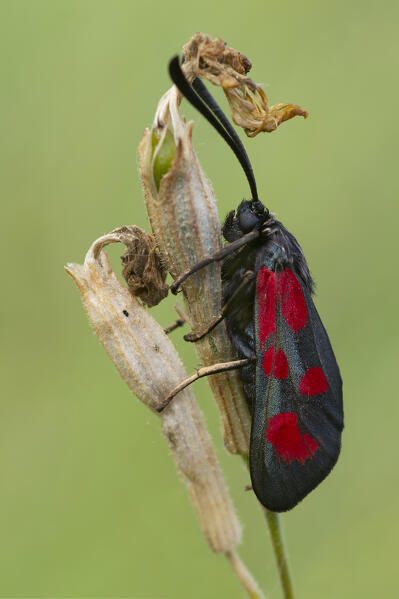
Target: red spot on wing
{"x":313,"y":382}
{"x":276,"y":361}
{"x":283,"y":433}
{"x":266,"y":297}
{"x":293,"y":305}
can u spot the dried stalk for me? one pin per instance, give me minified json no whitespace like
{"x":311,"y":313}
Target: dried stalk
{"x":184,"y":220}
{"x":149,"y":364}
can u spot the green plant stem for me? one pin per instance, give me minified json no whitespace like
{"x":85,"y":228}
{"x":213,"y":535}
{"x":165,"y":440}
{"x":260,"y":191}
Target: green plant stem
{"x":280,"y":551}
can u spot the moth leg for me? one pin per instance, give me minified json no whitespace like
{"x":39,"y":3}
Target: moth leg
{"x":248,"y":276}
{"x":201,"y":372}
{"x":220,"y":255}
{"x":179,"y":323}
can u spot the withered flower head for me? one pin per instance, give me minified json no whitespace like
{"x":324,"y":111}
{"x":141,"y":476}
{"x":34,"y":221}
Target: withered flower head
{"x":143,"y":270}
{"x":213,"y":60}
{"x":227,"y":68}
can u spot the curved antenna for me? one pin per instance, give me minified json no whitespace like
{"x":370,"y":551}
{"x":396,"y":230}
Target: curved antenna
{"x":201,"y":99}
{"x":206,"y":96}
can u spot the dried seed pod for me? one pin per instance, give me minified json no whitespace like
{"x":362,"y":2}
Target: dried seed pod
{"x":182,"y":211}
{"x":149,"y":364}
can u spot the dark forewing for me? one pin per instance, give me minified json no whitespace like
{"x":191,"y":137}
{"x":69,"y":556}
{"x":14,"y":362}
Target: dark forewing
{"x":298,"y":417}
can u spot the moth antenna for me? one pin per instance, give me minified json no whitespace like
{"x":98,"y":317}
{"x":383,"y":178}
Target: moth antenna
{"x":206,"y":96}
{"x":203,"y":101}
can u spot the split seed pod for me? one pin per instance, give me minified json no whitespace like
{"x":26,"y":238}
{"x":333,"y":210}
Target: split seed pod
{"x":183,"y":215}
{"x":149,"y":364}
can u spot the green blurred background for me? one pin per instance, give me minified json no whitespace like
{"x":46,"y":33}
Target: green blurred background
{"x":90,"y":502}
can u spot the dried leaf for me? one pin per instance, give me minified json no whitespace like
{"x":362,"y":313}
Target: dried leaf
{"x":251,"y":111}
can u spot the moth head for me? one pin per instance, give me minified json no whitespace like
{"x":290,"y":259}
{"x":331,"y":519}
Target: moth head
{"x":251,"y":215}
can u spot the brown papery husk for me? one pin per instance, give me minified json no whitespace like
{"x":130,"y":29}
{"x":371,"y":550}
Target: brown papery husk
{"x":149,"y":364}
{"x":184,"y":220}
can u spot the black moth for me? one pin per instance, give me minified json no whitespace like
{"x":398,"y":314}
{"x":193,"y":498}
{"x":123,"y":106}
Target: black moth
{"x":291,"y":379}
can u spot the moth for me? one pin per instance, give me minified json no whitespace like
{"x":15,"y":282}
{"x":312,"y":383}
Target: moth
{"x":290,"y":376}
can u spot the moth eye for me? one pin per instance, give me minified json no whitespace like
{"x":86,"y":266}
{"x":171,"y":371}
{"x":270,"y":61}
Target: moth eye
{"x":248,"y":220}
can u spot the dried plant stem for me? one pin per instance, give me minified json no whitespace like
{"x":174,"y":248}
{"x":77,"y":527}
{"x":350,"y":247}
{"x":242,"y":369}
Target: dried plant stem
{"x":149,"y":364}
{"x":280,"y":551}
{"x":244,"y":576}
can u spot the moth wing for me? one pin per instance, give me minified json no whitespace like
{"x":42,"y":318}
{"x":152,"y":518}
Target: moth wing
{"x":298,"y":416}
